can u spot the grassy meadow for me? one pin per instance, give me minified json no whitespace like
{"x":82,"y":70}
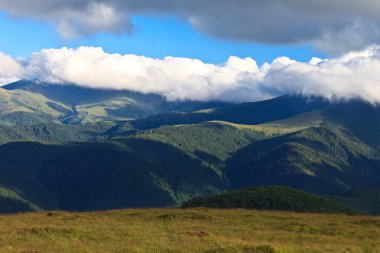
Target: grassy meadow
{"x":189,"y":230}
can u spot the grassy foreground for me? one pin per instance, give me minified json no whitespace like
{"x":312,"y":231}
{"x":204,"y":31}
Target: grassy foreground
{"x":191,"y":230}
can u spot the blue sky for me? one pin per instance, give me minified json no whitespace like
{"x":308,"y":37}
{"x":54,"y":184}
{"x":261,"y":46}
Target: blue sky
{"x":152,"y":37}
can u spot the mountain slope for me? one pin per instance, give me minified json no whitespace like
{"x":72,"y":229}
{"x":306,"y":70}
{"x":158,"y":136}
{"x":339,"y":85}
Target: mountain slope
{"x":306,"y":143}
{"x":318,"y":160}
{"x":359,"y":119}
{"x":74,"y":104}
{"x":104,"y":175}
{"x":270,"y":198}
{"x":246,"y":113}
{"x":22,"y":107}
{"x":362,"y":198}
{"x":55,"y":132}
{"x":325,"y":151}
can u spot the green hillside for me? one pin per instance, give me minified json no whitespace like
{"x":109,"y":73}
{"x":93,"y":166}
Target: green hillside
{"x":209,"y":142}
{"x":318,"y":160}
{"x":104,"y":175}
{"x":163,"y":160}
{"x":363,"y":198}
{"x":168,"y":165}
{"x":270,"y":198}
{"x":50,"y":132}
{"x":361,"y":119}
{"x":12,"y":202}
{"x":246,"y":113}
{"x":71,"y":104}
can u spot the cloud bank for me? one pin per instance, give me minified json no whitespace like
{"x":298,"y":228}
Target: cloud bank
{"x":10,"y":69}
{"x":354,"y":75}
{"x":333,"y":26}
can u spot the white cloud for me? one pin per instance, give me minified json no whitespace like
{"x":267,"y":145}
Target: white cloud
{"x":354,"y":75}
{"x":10,"y":69}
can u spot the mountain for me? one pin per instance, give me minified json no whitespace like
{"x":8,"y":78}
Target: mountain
{"x":50,"y":132}
{"x":38,"y":102}
{"x":319,"y":160}
{"x":103,"y":175}
{"x":246,"y":113}
{"x":326,"y":148}
{"x":363,"y":198}
{"x":270,"y":198}
{"x":98,"y":162}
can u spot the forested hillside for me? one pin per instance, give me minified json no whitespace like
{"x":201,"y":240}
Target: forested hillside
{"x":311,"y":144}
{"x":270,"y":198}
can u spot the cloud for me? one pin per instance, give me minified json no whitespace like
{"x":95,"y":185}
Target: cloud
{"x":333,"y":26}
{"x":174,"y":78}
{"x":73,"y":18}
{"x":353,"y":75}
{"x":10,"y":69}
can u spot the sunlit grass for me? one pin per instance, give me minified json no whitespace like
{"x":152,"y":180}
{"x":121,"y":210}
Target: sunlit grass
{"x":193,"y":230}
{"x":286,"y":126}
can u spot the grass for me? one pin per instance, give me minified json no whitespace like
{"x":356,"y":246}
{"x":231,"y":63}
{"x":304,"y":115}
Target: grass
{"x":192,"y":230}
{"x":24,"y":101}
{"x":286,"y":126}
{"x":95,"y":112}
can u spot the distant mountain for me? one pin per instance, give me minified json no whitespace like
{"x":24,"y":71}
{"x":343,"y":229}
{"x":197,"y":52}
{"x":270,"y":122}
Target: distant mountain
{"x":69,"y":162}
{"x":270,"y":198}
{"x":71,"y":104}
{"x":246,"y":113}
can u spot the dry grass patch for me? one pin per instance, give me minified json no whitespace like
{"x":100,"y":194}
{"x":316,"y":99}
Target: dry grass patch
{"x":193,"y":230}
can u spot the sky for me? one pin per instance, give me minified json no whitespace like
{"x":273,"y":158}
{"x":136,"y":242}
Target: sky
{"x":202,"y":50}
{"x":155,"y":37}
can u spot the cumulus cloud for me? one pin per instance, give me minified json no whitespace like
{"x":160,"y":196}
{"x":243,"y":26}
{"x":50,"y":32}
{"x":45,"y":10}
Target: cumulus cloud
{"x":353,"y":75}
{"x":10,"y":69}
{"x":334,"y":26}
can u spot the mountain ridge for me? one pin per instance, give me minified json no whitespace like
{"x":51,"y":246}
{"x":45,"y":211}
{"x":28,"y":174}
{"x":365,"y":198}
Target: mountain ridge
{"x":308,"y":143}
{"x":73,"y":104}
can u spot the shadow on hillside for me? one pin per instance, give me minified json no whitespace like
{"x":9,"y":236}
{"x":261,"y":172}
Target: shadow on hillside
{"x":314,"y":160}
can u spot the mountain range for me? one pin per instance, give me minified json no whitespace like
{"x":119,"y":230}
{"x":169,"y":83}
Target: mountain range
{"x":74,"y":148}
{"x":71,"y":104}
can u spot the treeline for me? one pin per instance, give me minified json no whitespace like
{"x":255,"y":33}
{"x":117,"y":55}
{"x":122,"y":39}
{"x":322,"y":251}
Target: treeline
{"x":50,"y":132}
{"x":270,"y":198}
{"x":212,"y":143}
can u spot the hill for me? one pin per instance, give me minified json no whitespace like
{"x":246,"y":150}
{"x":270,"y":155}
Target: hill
{"x":50,"y":132}
{"x":319,"y":160}
{"x":270,"y":198}
{"x":325,"y":151}
{"x":309,"y":144}
{"x":71,"y":104}
{"x":363,"y":198}
{"x":104,"y":175}
{"x":189,"y":230}
{"x":169,"y":165}
{"x":247,"y":113}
